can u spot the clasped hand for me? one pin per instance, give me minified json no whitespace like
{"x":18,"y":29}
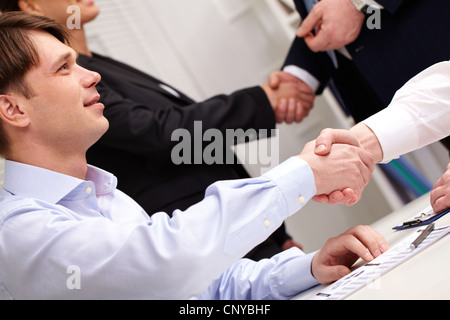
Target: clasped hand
{"x":340,"y":163}
{"x":439,"y":197}
{"x":291,"y":98}
{"x":340,"y":166}
{"x":349,"y":182}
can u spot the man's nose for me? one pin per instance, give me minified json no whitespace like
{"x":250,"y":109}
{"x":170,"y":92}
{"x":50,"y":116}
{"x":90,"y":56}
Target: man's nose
{"x":95,"y":78}
{"x":90,"y":78}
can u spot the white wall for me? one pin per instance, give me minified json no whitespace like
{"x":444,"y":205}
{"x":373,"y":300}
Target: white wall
{"x":204,"y":47}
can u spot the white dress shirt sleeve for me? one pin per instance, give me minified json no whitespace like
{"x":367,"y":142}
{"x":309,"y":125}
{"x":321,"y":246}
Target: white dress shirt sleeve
{"x":304,"y":76}
{"x":418,"y":115}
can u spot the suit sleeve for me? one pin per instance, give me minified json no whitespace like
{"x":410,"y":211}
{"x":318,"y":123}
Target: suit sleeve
{"x":391,"y":5}
{"x":145,"y":128}
{"x":318,"y":65}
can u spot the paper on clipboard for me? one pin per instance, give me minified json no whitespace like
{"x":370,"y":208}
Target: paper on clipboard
{"x":379,"y":266}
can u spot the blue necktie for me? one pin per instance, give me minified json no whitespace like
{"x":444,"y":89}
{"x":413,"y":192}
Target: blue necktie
{"x":309,"y":5}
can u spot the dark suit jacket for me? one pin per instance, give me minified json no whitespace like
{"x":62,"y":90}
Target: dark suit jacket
{"x":137,"y":147}
{"x":414,"y":35}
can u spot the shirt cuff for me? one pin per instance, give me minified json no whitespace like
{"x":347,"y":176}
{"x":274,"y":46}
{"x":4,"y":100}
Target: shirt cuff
{"x":382,"y":124}
{"x":295,"y":276}
{"x":296,"y":181}
{"x":304,"y":76}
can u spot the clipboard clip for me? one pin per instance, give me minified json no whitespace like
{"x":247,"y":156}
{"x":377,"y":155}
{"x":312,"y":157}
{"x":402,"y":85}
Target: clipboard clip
{"x":417,"y":220}
{"x":411,"y":223}
{"x":427,"y":216}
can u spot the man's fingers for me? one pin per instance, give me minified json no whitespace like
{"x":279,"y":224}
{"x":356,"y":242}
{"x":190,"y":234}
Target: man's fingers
{"x":438,"y":198}
{"x":328,"y":137}
{"x":280,"y":112}
{"x":366,"y":242}
{"x":439,"y":205}
{"x":318,"y":42}
{"x":440,"y":195}
{"x":333,"y":273}
{"x":308,"y":24}
{"x":274,"y":80}
{"x":340,"y":253}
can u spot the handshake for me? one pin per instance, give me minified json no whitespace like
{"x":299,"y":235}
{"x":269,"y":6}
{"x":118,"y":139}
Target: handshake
{"x":342,"y":162}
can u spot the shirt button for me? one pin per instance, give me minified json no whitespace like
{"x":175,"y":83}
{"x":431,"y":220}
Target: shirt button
{"x":88,"y":190}
{"x":301,"y":199}
{"x":266,"y":223}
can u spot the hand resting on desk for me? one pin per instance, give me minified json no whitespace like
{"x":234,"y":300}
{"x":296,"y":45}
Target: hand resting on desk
{"x":338,"y":254}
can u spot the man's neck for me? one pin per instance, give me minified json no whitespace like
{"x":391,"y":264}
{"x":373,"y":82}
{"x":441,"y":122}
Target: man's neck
{"x":72,"y":165}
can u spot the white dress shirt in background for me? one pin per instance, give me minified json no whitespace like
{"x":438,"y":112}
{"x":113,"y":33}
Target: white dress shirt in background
{"x":418,"y":115}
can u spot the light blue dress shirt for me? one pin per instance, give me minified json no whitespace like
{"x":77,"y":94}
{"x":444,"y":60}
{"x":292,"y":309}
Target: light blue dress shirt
{"x":65,"y":238}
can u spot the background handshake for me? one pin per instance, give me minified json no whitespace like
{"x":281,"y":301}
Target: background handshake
{"x":342,"y":166}
{"x":291,"y":98}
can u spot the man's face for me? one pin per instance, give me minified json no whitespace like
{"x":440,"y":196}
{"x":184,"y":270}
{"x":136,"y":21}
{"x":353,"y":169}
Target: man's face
{"x":64,"y":111}
{"x":57,"y":9}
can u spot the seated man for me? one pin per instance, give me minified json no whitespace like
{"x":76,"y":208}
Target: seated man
{"x":67,"y":233}
{"x":143,"y":113}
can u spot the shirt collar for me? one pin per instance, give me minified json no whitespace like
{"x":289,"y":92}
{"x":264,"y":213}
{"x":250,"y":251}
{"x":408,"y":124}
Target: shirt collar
{"x":38,"y":183}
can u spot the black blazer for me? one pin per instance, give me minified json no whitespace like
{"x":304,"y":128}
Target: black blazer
{"x":414,"y":35}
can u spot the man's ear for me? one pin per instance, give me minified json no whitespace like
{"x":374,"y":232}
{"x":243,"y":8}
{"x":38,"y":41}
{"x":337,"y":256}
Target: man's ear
{"x":30,"y":7}
{"x":12,"y":113}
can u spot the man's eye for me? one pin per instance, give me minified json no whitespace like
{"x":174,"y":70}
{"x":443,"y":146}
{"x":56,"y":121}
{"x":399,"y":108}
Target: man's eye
{"x":64,"y":67}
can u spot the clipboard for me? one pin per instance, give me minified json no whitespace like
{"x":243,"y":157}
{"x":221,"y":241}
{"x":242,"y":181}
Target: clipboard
{"x":370,"y":272}
{"x":423,"y":218}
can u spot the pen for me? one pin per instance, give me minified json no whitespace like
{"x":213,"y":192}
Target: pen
{"x":422,"y":236}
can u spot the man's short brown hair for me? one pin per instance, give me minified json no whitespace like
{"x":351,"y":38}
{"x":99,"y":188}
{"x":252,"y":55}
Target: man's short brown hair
{"x":18,"y":54}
